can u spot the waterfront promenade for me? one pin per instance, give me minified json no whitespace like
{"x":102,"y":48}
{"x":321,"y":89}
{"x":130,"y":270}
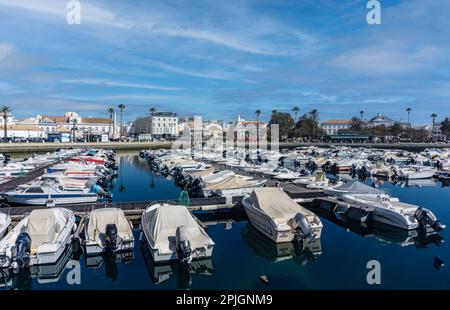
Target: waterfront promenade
{"x":48,"y":147}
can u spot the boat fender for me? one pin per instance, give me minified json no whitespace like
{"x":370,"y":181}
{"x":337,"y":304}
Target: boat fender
{"x":182,"y":243}
{"x":21,"y":256}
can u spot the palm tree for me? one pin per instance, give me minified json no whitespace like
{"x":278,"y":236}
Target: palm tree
{"x":111,"y":115}
{"x":6,"y":111}
{"x":152,"y":111}
{"x":274,"y":111}
{"x":74,"y":124}
{"x":121,"y":108}
{"x":408,"y":110}
{"x":314,"y":116}
{"x":362,"y":114}
{"x":295,"y":110}
{"x":257,"y":112}
{"x":433,"y":116}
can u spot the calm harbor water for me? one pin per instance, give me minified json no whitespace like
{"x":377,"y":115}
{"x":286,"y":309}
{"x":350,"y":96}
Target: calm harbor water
{"x":241,"y":254}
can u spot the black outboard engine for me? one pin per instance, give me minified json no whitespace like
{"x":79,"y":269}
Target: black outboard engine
{"x":21,"y":257}
{"x":425,"y":217}
{"x":111,"y":236}
{"x":183,"y":244}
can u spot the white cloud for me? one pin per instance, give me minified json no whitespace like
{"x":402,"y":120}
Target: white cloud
{"x":217,"y":75}
{"x":111,"y":83}
{"x":8,"y":89}
{"x":5,"y":51}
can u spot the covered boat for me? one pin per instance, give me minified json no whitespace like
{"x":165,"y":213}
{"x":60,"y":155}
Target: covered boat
{"x":40,"y":238}
{"x":351,"y":187}
{"x":5,"y":221}
{"x":231,"y":186}
{"x":280,"y":218}
{"x":108,"y":229}
{"x":173,"y":233}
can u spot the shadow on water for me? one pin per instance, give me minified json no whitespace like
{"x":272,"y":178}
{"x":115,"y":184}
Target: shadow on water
{"x":159,"y":273}
{"x":300,"y":252}
{"x":111,"y":260}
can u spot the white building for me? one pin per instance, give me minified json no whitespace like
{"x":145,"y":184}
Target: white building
{"x":158,"y":125}
{"x":87,"y":128}
{"x":332,"y":126}
{"x":22,"y":131}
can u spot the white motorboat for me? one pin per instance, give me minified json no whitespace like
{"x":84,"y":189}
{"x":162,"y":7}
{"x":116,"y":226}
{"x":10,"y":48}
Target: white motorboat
{"x":415,"y":173}
{"x":351,"y":187}
{"x":40,"y":238}
{"x":231,"y":187}
{"x":286,"y":175}
{"x":391,"y":211}
{"x":5,"y":221}
{"x":108,"y":230}
{"x":320,"y":182}
{"x":48,"y":192}
{"x":173,"y":233}
{"x":280,"y":218}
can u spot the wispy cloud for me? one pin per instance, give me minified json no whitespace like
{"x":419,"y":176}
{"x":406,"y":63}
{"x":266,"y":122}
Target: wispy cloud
{"x":217,"y":75}
{"x":111,"y":83}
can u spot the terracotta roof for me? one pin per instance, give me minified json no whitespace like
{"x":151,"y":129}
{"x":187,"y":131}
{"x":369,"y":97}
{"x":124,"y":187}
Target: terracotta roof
{"x":337,"y":121}
{"x":56,"y":119}
{"x":94,"y":120}
{"x":21,"y":127}
{"x":251,"y":123}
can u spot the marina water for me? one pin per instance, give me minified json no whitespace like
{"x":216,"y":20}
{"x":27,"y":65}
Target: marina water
{"x":241,"y":255}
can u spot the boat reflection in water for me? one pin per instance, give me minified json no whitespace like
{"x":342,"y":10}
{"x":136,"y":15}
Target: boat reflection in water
{"x":44,"y":274}
{"x":300,"y":252}
{"x":111,"y":261}
{"x":183,"y":272}
{"x":382,"y":232}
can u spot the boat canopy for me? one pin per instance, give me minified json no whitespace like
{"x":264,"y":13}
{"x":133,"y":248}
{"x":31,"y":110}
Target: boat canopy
{"x":42,"y":227}
{"x":162,"y":222}
{"x":231,"y":182}
{"x":203,"y":173}
{"x":276,"y":203}
{"x":357,"y":188}
{"x":98,"y":219}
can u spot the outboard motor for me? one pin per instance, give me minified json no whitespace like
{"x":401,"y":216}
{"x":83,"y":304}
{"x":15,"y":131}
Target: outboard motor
{"x":21,"y":258}
{"x":111,"y":236}
{"x":183,"y":244}
{"x":100,"y":191}
{"x":425,"y":217}
{"x":302,"y":228}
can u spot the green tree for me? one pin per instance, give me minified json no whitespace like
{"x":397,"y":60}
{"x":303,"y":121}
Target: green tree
{"x":258,"y":113}
{"x":284,"y":121}
{"x":445,"y":127}
{"x":356,"y":124}
{"x":121,"y":108}
{"x":362,"y":114}
{"x":5,"y":110}
{"x":408,"y":110}
{"x":111,"y":116}
{"x":295,"y":110}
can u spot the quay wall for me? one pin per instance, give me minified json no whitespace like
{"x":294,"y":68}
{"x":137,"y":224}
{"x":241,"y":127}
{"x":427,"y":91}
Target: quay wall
{"x":49,"y":147}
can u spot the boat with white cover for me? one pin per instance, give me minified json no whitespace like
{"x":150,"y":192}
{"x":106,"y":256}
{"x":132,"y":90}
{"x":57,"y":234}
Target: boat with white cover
{"x":231,"y":187}
{"x":351,"y":187}
{"x":5,"y":221}
{"x":40,"y":238}
{"x":280,"y":218}
{"x":173,"y":233}
{"x":108,"y":229}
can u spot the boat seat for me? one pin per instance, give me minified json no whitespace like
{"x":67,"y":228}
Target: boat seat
{"x":41,"y":227}
{"x":99,"y":218}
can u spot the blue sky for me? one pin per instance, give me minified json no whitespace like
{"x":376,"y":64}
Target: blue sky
{"x":223,"y":58}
